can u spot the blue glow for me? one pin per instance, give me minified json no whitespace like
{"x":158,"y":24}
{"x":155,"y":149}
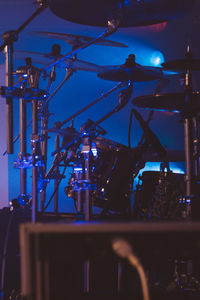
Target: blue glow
{"x":128,"y":2}
{"x":156,"y":59}
{"x":155,"y":166}
{"x":168,"y":72}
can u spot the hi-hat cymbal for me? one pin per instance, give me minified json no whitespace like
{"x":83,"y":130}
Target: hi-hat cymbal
{"x":172,"y":102}
{"x":77,"y":40}
{"x":135,"y":13}
{"x":130,"y":71}
{"x":44,"y":58}
{"x":191,"y":64}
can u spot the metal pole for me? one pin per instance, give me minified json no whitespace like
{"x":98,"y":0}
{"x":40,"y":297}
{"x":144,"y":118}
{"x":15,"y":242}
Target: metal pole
{"x":34,"y":141}
{"x":9,"y":101}
{"x":22,"y":122}
{"x":56,"y":180}
{"x":44,"y":144}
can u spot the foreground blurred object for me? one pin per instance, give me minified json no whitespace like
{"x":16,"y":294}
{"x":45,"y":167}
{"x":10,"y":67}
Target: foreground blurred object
{"x":59,"y":271}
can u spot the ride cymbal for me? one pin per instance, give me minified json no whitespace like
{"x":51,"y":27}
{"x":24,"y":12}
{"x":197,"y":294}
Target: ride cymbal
{"x":191,"y":64}
{"x":77,"y":40}
{"x":172,"y":102}
{"x":133,"y":12}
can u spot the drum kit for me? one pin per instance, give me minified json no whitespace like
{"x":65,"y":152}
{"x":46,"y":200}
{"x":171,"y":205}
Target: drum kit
{"x":103,"y":170}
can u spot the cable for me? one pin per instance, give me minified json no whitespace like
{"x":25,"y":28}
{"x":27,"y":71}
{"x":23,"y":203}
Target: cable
{"x":129,"y":129}
{"x":56,"y":189}
{"x":123,"y":249}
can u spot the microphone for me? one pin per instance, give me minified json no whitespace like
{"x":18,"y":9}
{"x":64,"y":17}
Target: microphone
{"x":150,"y":136}
{"x":124,"y":250}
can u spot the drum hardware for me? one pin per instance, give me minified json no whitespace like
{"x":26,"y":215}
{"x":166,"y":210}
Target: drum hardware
{"x":150,"y":136}
{"x":188,"y":62}
{"x":172,"y":102}
{"x":112,"y":26}
{"x":131,"y":13}
{"x":27,"y":93}
{"x":77,"y":40}
{"x":69,"y":63}
{"x":86,"y":186}
{"x":159,"y":196}
{"x":130,"y":70}
{"x":187,"y":103}
{"x":118,"y":86}
{"x":9,"y":38}
{"x":184,"y":277}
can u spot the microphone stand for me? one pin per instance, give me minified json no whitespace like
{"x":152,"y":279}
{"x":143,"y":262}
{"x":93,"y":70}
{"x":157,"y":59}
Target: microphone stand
{"x":9,"y":38}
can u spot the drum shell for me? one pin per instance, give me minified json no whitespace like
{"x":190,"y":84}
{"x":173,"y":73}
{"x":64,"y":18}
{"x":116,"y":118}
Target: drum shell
{"x":159,"y":196}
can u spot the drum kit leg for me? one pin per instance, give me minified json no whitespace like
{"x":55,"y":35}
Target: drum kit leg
{"x":103,"y":170}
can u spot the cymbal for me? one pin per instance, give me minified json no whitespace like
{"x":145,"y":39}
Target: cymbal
{"x":182,"y":64}
{"x":44,"y":58}
{"x":77,"y":40}
{"x":173,"y":102}
{"x":131,"y":71}
{"x":135,"y":13}
{"x":173,"y":155}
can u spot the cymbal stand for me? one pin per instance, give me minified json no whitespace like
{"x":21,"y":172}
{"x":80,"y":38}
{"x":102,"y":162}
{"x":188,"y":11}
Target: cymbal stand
{"x":23,"y":160}
{"x":9,"y":38}
{"x":188,"y":133}
{"x":123,"y":98}
{"x":44,"y":125}
{"x":118,"y":86}
{"x":34,"y":75}
{"x":23,"y":148}
{"x":44,"y":117}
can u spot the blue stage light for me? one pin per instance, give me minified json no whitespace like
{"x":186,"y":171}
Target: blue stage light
{"x":156,"y":59}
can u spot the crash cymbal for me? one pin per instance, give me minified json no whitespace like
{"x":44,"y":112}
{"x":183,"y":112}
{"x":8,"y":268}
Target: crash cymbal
{"x":77,"y":40}
{"x":130,"y":71}
{"x":183,"y":64}
{"x":173,"y":102}
{"x":135,"y":13}
{"x":44,"y":58}
{"x":173,"y":155}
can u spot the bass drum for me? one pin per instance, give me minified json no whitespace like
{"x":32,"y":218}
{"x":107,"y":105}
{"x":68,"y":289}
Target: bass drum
{"x":159,"y":196}
{"x":112,"y":175}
